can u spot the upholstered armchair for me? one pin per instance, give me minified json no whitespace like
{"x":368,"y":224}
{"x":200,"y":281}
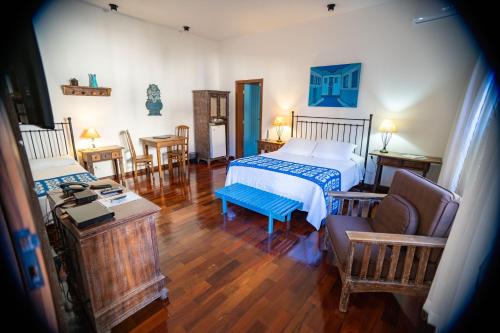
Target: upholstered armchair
{"x":393,"y":242}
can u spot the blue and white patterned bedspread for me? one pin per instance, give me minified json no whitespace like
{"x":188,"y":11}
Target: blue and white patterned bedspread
{"x":327,"y":179}
{"x":45,"y":185}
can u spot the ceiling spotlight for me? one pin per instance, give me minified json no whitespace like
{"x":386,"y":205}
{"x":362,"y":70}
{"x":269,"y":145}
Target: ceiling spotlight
{"x":186,"y":27}
{"x":113,"y":7}
{"x":331,"y":7}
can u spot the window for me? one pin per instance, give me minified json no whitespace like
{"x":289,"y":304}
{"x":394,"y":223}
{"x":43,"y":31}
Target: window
{"x":355,"y":79}
{"x":345,"y":83}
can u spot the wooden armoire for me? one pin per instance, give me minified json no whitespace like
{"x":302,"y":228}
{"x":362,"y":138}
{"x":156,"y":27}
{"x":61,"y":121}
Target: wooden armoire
{"x":211,"y":122}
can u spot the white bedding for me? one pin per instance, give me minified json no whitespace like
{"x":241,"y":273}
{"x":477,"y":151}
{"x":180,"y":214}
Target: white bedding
{"x":49,"y":168}
{"x":297,"y":188}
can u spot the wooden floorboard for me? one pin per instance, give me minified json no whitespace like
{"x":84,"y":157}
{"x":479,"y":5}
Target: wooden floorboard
{"x":226,"y":275}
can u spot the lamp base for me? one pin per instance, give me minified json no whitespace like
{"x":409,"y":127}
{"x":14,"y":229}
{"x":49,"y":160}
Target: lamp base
{"x":384,"y":151}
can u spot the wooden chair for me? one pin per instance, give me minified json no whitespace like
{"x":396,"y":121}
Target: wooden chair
{"x":175,"y":152}
{"x":147,"y":160}
{"x":398,"y":250}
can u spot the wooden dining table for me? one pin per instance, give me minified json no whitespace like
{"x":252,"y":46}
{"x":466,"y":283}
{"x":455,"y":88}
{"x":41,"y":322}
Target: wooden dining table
{"x":163,"y":141}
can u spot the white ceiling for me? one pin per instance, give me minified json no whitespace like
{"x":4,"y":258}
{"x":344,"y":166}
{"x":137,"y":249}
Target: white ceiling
{"x":222,"y":19}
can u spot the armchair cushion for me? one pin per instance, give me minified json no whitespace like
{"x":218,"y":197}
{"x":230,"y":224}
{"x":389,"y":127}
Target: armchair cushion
{"x":395,"y":215}
{"x":337,"y":226}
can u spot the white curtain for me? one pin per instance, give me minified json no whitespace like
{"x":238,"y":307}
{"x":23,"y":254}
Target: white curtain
{"x":476,"y":179}
{"x":465,"y":123}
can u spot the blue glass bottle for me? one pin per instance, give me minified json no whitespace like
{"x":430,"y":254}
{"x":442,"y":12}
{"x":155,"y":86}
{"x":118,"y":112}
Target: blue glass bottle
{"x":92,"y":81}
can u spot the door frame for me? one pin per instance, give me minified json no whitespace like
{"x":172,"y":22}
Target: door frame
{"x":239,"y":102}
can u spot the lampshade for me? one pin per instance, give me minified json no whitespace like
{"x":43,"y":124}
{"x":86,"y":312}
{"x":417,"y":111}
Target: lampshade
{"x":279,"y":121}
{"x":388,"y":126}
{"x":90,"y":133}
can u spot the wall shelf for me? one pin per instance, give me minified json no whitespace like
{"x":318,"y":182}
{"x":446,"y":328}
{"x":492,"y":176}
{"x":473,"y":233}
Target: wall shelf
{"x":85,"y":91}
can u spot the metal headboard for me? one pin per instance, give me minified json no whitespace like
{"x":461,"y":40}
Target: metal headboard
{"x":352,"y":130}
{"x":43,"y":143}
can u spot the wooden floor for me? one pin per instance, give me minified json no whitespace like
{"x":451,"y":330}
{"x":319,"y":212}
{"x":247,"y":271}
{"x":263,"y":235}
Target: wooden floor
{"x":226,"y":275}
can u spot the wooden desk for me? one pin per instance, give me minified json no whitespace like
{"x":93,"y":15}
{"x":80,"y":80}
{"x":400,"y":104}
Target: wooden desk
{"x":397,"y":160}
{"x":100,"y":154}
{"x":113,"y":266}
{"x":169,"y":142}
{"x":268,"y":145}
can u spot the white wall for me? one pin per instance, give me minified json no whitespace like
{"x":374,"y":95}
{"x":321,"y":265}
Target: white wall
{"x":415,"y":74}
{"x":127,"y":55}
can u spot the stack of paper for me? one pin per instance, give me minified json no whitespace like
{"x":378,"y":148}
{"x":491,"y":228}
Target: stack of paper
{"x":119,"y":199}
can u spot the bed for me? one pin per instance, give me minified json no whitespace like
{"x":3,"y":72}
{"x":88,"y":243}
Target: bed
{"x":52,"y":158}
{"x":296,"y":176}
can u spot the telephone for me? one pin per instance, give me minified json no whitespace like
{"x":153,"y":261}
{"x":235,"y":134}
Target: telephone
{"x":72,"y":187}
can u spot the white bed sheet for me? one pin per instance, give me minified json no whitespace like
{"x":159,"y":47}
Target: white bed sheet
{"x":52,"y":170}
{"x":312,"y":196}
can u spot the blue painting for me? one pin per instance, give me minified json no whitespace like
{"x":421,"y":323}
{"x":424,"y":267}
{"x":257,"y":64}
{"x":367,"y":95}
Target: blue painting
{"x":335,"y":86}
{"x":153,"y":103}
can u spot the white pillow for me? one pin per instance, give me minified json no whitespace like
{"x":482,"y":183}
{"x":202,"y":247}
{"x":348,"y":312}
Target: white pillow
{"x":333,"y":150}
{"x":298,"y":146}
{"x":357,"y":158}
{"x":50,"y":162}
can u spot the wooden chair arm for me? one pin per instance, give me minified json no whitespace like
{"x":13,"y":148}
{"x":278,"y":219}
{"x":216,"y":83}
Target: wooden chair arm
{"x":363,"y":208}
{"x":382,"y":241}
{"x":356,"y":195}
{"x":395,"y":239}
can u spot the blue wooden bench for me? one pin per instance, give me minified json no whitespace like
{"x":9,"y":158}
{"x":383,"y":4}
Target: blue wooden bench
{"x":272,"y":205}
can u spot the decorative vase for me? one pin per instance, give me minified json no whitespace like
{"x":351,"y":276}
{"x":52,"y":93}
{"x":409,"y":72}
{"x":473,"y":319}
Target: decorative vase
{"x":92,"y":81}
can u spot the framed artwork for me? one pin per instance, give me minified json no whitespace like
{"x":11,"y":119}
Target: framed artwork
{"x":153,"y":103}
{"x":335,"y":85}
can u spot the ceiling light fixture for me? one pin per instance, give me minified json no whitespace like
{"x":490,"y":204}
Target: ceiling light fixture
{"x":113,"y":7}
{"x":186,"y":27}
{"x":331,"y":7}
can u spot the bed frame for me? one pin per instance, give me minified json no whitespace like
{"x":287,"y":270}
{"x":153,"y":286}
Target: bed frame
{"x":43,"y":143}
{"x":351,"y":130}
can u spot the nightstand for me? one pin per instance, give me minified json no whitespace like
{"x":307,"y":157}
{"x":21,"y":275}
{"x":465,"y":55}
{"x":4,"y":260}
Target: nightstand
{"x":268,"y":145}
{"x":404,"y":161}
{"x":100,"y":154}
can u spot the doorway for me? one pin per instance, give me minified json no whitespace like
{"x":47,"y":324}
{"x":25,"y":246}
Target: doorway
{"x":248,"y":116}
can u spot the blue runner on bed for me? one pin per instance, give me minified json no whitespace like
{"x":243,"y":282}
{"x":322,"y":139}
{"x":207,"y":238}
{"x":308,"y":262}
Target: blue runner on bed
{"x":326,"y":178}
{"x":45,"y":185}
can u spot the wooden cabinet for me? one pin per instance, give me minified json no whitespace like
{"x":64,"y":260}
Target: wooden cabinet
{"x":113,"y":267}
{"x":210,"y":108}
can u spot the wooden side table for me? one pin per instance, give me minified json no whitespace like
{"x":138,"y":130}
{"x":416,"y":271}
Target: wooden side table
{"x":268,"y":145}
{"x":404,"y":161}
{"x":100,"y":154}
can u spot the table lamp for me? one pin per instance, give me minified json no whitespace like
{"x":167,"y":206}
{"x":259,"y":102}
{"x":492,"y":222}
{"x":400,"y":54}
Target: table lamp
{"x":279,"y":122}
{"x":90,"y":133}
{"x":386,"y":128}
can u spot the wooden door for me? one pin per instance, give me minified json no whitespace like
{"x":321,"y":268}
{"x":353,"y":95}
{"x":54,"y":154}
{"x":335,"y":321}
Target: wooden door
{"x":223,"y":106}
{"x":239,"y":98}
{"x":214,"y":106}
{"x":21,"y":216}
